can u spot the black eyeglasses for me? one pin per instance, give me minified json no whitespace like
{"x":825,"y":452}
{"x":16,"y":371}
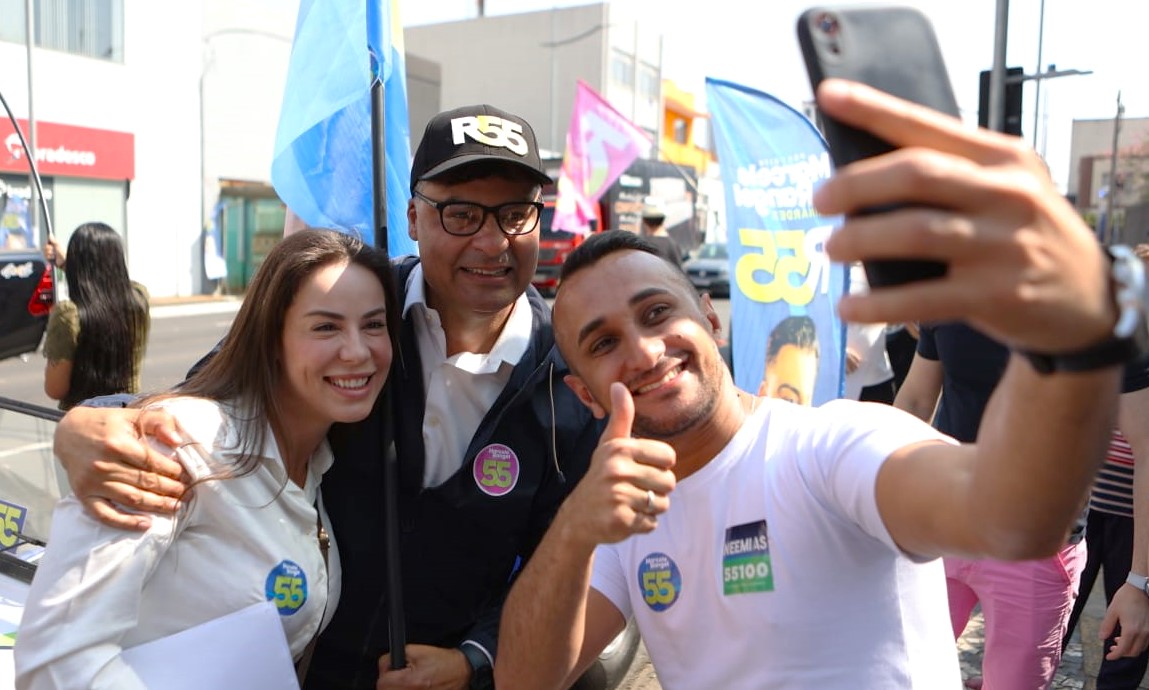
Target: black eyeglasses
{"x":466,"y":217}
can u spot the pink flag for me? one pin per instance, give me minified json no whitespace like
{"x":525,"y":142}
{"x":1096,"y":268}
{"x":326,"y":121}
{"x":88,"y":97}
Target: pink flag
{"x":601,"y":144}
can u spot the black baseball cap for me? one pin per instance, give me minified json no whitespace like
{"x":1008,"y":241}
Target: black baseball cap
{"x":476,"y":133}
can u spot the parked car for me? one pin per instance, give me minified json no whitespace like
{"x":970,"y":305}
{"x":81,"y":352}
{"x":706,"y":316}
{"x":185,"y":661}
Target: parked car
{"x":31,"y":481}
{"x":709,"y":269}
{"x":27,"y":293}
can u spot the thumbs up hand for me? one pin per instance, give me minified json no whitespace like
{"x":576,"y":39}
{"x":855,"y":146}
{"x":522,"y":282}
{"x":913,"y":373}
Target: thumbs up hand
{"x":628,"y":482}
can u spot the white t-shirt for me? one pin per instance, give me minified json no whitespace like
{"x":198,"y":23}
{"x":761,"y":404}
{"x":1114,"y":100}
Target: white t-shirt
{"x":460,"y":389}
{"x":869,"y":341}
{"x":772,"y":569}
{"x":244,"y":540}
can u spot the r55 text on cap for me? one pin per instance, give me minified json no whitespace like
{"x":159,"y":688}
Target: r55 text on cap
{"x":490,"y":130}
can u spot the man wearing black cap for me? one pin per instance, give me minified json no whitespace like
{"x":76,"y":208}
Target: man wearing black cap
{"x":489,"y":438}
{"x":496,"y":444}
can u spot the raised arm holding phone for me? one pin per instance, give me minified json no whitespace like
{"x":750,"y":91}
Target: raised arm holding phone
{"x":789,"y":531}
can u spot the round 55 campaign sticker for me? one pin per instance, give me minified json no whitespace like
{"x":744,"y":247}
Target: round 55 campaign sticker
{"x":286,"y":586}
{"x":496,"y":470}
{"x":660,"y":581}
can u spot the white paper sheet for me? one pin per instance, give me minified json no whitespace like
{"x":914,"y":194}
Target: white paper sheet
{"x":246,"y":649}
{"x":12,"y":596}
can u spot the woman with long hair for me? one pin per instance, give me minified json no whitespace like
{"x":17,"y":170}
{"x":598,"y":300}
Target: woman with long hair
{"x":311,"y":346}
{"x":95,"y":342}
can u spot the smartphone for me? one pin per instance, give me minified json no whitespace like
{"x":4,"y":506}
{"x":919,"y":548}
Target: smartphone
{"x":893,"y":49}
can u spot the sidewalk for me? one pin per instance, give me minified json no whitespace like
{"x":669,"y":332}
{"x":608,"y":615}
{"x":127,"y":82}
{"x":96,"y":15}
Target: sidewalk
{"x":169,"y":307}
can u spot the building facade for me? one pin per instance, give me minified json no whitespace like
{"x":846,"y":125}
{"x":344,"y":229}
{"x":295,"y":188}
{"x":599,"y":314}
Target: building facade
{"x":530,"y":64}
{"x":684,"y":130}
{"x":1090,"y":184}
{"x":159,"y":118}
{"x":115,"y":102}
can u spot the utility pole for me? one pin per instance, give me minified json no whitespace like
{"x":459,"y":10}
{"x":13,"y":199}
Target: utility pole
{"x":1110,"y":224}
{"x":33,"y":192}
{"x":637,"y":77}
{"x":996,"y":119}
{"x":552,"y":139}
{"x":1037,"y":93}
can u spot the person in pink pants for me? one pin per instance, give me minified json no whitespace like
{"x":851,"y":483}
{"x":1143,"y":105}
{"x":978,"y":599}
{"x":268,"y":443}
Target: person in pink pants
{"x":1026,"y":604}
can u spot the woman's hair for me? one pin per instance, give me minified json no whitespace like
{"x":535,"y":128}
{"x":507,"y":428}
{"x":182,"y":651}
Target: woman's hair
{"x":248,"y":367}
{"x":113,"y":314}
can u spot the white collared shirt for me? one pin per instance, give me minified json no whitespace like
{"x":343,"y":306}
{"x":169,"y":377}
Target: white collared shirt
{"x":240,"y":540}
{"x":868,"y":340}
{"x":460,"y":389}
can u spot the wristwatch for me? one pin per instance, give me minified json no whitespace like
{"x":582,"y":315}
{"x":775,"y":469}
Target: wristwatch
{"x":1130,"y":337}
{"x":1141,"y":582}
{"x":482,"y":675}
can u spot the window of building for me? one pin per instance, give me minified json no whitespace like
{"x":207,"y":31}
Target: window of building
{"x":680,"y":130}
{"x":699,"y":134}
{"x":622,"y":69}
{"x":91,"y":28}
{"x":648,"y":83}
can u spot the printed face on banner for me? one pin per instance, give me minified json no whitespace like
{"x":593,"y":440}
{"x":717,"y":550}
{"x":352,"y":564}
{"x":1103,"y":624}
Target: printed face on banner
{"x":791,"y":375}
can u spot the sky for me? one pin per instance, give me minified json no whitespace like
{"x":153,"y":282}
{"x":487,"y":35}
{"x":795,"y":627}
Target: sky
{"x":752,"y":42}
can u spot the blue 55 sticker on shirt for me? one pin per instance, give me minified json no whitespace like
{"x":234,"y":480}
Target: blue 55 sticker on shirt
{"x":660,"y":581}
{"x":746,"y":560}
{"x":286,"y":587}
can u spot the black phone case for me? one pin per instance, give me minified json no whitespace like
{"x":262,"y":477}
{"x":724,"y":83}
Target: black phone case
{"x":893,"y":49}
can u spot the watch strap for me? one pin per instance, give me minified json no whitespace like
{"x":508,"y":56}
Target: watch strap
{"x":1109,"y":353}
{"x":482,"y":675}
{"x":1130,"y":337}
{"x":1141,"y":582}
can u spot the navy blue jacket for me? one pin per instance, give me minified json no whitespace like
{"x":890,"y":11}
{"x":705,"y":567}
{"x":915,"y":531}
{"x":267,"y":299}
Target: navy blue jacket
{"x":460,"y":545}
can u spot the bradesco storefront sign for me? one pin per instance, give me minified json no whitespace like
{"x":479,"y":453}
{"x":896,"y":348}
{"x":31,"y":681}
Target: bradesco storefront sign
{"x":70,"y":151}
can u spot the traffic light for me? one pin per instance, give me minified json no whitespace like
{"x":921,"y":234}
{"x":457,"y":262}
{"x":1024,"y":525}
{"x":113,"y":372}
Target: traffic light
{"x":1013,"y":83}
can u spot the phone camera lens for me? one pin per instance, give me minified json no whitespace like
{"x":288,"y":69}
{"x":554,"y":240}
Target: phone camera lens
{"x":827,"y":23}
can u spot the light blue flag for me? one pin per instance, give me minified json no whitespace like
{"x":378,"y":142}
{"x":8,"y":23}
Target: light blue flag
{"x":783,"y":284}
{"x":322,"y":159}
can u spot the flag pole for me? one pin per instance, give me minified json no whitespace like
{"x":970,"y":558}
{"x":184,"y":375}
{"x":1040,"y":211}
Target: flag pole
{"x":395,"y":621}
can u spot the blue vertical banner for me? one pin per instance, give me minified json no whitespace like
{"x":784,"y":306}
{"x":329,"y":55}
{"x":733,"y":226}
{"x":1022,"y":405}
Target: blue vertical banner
{"x":787,"y":339}
{"x":321,"y":166}
{"x":214,"y":263}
